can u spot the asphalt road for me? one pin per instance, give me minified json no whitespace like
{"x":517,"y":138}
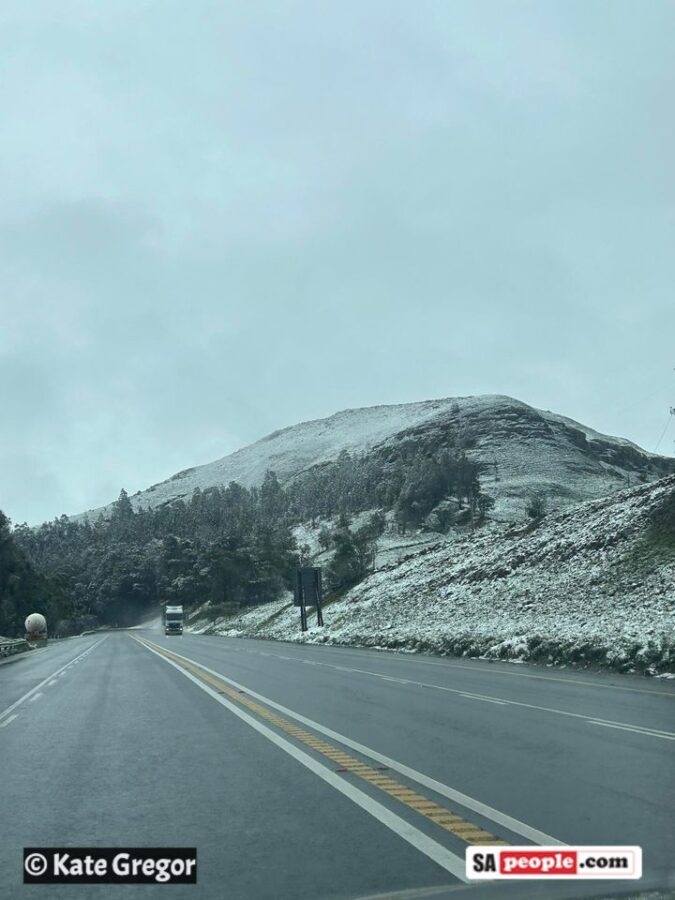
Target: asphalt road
{"x":321,"y":772}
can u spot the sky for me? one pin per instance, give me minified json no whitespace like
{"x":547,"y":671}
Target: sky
{"x":220,"y":218}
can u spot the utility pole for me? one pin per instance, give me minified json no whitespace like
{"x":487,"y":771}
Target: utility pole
{"x":668,"y":421}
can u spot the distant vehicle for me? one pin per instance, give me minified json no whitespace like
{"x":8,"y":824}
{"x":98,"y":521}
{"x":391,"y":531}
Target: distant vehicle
{"x":36,"y":628}
{"x":173,"y":620}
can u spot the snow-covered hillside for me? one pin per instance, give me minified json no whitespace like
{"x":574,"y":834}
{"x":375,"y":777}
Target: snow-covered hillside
{"x":523,"y":450}
{"x":591,"y":585}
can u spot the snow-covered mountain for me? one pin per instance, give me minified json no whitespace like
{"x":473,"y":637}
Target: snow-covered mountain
{"x":523,"y":449}
{"x":591,"y":585}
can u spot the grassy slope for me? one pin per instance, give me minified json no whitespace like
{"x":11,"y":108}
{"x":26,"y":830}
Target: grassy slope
{"x":591,"y":586}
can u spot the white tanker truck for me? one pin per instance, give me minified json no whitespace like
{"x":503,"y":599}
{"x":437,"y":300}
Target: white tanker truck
{"x":36,"y":629}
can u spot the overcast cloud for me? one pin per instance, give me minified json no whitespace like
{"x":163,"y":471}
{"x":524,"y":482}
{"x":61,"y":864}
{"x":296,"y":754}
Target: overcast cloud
{"x":220,"y":218}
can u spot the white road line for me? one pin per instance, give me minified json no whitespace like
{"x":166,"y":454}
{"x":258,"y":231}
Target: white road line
{"x":37,"y":687}
{"x":494,"y":815}
{"x":7,"y":721}
{"x":426,"y":845}
{"x":666,"y":736}
{"x":650,"y":732}
{"x":35,"y":697}
{"x":50,"y":683}
{"x":482,"y":699}
{"x":490,"y":670}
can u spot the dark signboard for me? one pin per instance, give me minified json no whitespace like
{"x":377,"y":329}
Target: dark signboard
{"x":308,"y":593}
{"x":309,"y":582}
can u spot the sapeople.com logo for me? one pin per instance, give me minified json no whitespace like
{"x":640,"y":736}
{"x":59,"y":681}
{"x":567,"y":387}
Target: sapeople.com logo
{"x":559,"y":862}
{"x":109,"y":865}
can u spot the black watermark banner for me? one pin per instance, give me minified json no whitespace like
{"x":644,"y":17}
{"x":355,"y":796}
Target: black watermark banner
{"x":110,"y":865}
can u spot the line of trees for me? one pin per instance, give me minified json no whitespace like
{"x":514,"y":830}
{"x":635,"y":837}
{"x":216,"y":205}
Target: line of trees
{"x":408,"y":479}
{"x":224,"y":545}
{"x":231,"y":546}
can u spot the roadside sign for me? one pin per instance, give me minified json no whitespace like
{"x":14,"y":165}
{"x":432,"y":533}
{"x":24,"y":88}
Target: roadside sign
{"x":308,"y":592}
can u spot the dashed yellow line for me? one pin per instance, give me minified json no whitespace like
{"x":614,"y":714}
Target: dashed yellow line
{"x":439,"y":815}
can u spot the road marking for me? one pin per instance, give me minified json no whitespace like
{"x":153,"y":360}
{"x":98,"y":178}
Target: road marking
{"x":479,"y":669}
{"x":488,"y":812}
{"x":461,"y":828}
{"x":483,"y":699}
{"x":665,"y":735}
{"x":484,"y":670}
{"x":7,"y":721}
{"x":37,"y":687}
{"x":35,"y":697}
{"x":426,"y":845}
{"x":650,"y":732}
{"x":593,"y":684}
{"x":50,"y":683}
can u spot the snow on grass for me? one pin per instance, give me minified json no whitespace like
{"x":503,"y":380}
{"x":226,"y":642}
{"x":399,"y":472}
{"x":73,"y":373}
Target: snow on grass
{"x":247,"y":622}
{"x":584,"y":587}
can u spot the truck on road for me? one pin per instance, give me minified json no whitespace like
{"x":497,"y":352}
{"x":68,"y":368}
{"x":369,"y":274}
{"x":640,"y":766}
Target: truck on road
{"x":36,"y":629}
{"x":173,"y":620}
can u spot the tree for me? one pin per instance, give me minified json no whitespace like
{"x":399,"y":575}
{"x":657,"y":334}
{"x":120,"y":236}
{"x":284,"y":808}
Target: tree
{"x":365,"y":542}
{"x":325,"y":538}
{"x":272,"y":498}
{"x":485,"y":504}
{"x":346,"y":567}
{"x":536,"y":507}
{"x":22,"y":590}
{"x":354,"y":552}
{"x":122,"y":508}
{"x":424,"y":486}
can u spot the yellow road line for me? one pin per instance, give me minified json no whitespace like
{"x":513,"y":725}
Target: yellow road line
{"x":439,"y":815}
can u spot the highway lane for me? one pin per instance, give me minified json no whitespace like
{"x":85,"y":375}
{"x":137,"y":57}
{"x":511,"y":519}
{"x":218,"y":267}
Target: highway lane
{"x":125,"y":749}
{"x":26,"y":674}
{"x":545,"y":762}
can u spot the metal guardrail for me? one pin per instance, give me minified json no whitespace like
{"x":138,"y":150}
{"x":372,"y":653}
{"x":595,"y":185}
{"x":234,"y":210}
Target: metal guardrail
{"x":9,"y":648}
